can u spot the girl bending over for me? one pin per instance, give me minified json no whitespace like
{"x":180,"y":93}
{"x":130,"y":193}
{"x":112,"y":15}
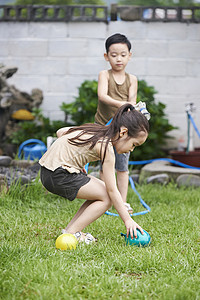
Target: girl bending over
{"x":63,"y":173}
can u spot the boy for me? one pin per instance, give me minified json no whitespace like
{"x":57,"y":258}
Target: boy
{"x":115,"y":88}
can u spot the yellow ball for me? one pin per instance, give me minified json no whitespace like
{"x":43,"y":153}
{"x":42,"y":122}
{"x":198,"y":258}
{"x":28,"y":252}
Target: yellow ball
{"x":66,"y":241}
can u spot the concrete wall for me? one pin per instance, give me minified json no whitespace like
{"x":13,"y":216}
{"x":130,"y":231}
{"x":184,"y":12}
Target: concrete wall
{"x":58,"y":57}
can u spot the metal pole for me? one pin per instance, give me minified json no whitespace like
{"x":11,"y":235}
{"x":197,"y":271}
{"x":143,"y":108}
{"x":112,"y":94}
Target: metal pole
{"x":190,"y":109}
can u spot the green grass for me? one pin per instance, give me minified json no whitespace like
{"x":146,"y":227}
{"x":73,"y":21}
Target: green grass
{"x":32,"y":268}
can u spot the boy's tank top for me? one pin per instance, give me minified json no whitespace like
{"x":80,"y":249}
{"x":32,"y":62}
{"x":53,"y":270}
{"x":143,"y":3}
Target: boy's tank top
{"x":116,"y":91}
{"x":70,"y":157}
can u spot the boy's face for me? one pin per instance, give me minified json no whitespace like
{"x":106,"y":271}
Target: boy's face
{"x":118,"y":56}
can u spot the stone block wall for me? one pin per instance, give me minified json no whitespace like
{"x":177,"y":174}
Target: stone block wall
{"x":58,"y":57}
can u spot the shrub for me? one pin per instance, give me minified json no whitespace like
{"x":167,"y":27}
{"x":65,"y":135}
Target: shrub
{"x":159,"y":125}
{"x":83,"y":109}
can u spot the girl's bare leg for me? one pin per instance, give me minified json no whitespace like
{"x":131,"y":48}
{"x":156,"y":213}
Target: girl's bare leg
{"x":79,"y":212}
{"x":96,"y":205}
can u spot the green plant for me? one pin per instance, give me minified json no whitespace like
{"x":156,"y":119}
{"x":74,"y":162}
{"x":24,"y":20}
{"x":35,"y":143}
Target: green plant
{"x":39,"y":128}
{"x":83,"y":109}
{"x":159,"y":125}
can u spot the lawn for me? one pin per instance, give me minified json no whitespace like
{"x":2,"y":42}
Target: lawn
{"x":32,"y":268}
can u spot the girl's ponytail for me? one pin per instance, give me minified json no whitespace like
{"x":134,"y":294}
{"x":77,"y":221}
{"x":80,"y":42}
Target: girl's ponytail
{"x":130,"y":118}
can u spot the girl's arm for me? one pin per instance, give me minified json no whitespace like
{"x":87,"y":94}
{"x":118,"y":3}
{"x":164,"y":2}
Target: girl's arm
{"x":62,"y":131}
{"x":103,"y":91}
{"x":133,"y":90}
{"x":115,"y":196}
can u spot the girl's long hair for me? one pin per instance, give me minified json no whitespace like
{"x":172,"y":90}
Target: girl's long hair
{"x":125,"y":116}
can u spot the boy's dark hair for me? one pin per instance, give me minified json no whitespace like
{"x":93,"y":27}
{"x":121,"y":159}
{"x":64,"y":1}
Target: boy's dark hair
{"x":126,"y":116}
{"x":116,"y":39}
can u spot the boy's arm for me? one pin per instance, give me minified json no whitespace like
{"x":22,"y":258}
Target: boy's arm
{"x":103,"y":91}
{"x":133,"y":90}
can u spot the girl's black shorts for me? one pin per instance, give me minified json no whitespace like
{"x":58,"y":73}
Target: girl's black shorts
{"x":63,"y":183}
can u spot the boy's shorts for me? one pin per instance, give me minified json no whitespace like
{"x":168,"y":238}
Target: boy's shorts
{"x":63,"y":183}
{"x":121,"y":161}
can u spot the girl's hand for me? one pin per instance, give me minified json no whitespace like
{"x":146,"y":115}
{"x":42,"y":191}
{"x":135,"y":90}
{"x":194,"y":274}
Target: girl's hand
{"x":84,"y":170}
{"x":131,"y":227}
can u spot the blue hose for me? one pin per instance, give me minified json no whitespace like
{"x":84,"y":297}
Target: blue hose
{"x":175,"y":162}
{"x":141,"y":201}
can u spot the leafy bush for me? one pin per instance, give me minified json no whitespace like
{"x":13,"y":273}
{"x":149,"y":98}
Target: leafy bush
{"x":85,"y":106}
{"x":83,"y":109}
{"x":159,"y":125}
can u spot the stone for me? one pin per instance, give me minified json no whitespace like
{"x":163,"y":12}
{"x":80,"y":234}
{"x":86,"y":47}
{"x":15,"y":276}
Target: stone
{"x":135,"y":178}
{"x":22,"y":163}
{"x":23,"y":179}
{"x":188,"y":180}
{"x":23,"y":172}
{"x":159,"y":167}
{"x":5,"y":161}
{"x":159,"y":178}
{"x":12,"y":99}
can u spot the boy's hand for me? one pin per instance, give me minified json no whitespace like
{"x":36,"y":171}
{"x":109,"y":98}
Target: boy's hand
{"x":131,"y":227}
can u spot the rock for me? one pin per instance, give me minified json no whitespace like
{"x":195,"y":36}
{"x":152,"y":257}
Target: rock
{"x":19,"y":171}
{"x":34,"y":169}
{"x":22,"y":163}
{"x":159,"y":167}
{"x":7,"y":72}
{"x":135,"y":178}
{"x":5,"y":161}
{"x":159,"y":178}
{"x":12,"y":99}
{"x":23,"y":179}
{"x":37,"y":97}
{"x":188,"y":180}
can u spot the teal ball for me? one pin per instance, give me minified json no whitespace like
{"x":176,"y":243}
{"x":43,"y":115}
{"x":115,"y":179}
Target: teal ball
{"x":142,"y":240}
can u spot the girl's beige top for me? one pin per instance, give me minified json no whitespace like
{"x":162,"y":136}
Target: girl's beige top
{"x":116,"y":91}
{"x":70,"y":157}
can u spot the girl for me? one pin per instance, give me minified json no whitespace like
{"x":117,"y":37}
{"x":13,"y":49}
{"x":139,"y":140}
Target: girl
{"x":62,"y":167}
